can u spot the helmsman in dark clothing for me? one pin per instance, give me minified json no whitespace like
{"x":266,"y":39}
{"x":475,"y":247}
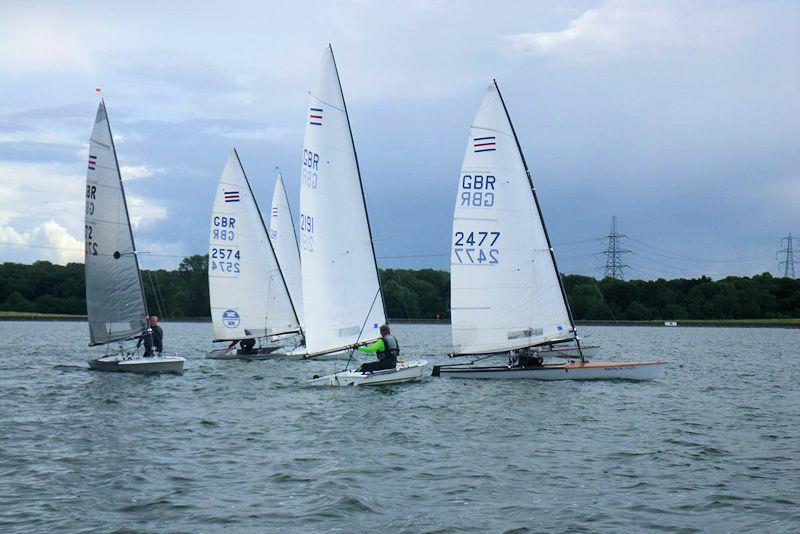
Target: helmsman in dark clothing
{"x":386,"y":349}
{"x":152,"y":336}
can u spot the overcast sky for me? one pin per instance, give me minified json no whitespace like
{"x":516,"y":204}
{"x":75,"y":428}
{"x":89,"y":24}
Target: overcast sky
{"x":682,"y":118}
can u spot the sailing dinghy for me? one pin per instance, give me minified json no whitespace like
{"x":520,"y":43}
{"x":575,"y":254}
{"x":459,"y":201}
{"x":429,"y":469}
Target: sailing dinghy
{"x":284,"y":242}
{"x":507,"y":297}
{"x":115,"y":301}
{"x":342,"y":299}
{"x":249,"y":299}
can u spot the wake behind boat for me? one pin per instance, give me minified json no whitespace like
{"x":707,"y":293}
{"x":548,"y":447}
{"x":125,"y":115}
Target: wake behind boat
{"x":507,"y":296}
{"x":115,"y":302}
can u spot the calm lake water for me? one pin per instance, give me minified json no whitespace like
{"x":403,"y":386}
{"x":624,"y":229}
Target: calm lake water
{"x":248,"y":447}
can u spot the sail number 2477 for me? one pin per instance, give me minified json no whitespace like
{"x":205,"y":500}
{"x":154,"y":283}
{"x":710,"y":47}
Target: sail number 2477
{"x":477,"y":247}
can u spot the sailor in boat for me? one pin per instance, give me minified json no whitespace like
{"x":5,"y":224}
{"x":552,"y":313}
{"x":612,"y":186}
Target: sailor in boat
{"x":525,"y":358}
{"x":152,"y":336}
{"x":246,"y":346}
{"x":386,"y":349}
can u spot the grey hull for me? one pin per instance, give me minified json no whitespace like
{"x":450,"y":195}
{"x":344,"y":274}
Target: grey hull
{"x":263,"y":353}
{"x":138,"y":365}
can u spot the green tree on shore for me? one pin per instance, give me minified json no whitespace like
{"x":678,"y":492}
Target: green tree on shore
{"x":425,"y":294}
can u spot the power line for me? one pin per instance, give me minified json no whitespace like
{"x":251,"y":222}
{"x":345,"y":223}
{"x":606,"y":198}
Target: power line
{"x":675,"y":256}
{"x":615,"y":266}
{"x":788,"y":255}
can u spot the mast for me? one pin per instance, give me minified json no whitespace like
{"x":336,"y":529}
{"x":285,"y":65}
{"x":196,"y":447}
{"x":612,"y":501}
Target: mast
{"x":541,"y":219}
{"x":361,"y":185}
{"x":269,"y":241}
{"x":125,"y":204}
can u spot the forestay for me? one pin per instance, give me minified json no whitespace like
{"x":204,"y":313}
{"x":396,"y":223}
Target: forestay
{"x":284,"y":242}
{"x":505,"y":289}
{"x":339,"y":274}
{"x":248,"y":295}
{"x":114,"y":297}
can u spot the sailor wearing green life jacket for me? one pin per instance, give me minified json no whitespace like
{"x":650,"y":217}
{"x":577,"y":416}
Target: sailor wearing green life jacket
{"x":386,"y":349}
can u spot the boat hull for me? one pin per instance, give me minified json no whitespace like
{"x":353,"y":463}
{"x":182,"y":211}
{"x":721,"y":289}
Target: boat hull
{"x":149,"y":365}
{"x":564,"y":371}
{"x":262,"y":353}
{"x":404,"y":372}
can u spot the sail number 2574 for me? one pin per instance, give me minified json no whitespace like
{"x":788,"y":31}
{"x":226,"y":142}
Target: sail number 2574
{"x":225,"y":260}
{"x":477,"y":247}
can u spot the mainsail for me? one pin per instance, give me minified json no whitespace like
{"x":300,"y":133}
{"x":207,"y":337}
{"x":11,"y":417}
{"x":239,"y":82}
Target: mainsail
{"x":284,"y":241}
{"x":114,"y":297}
{"x":506,"y":291}
{"x":248,"y":295}
{"x":341,"y":291}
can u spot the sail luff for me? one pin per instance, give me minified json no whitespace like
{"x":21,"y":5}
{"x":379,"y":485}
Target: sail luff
{"x":127,"y":213}
{"x":361,"y":185}
{"x":505,"y":290}
{"x":338,"y":263}
{"x":248,"y":297}
{"x":269,"y":241}
{"x":538,"y":210}
{"x":284,"y":242}
{"x":291,"y":216}
{"x":115,"y":302}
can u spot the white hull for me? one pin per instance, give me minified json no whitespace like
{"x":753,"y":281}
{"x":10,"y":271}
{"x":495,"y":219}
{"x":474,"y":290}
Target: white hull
{"x":563,"y":371}
{"x":571,"y":351}
{"x":404,"y":372}
{"x":139,"y":364}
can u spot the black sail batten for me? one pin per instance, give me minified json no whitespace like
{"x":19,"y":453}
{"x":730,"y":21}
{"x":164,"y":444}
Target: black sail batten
{"x":269,"y":241}
{"x":541,"y":218}
{"x":130,"y":230}
{"x":360,"y":184}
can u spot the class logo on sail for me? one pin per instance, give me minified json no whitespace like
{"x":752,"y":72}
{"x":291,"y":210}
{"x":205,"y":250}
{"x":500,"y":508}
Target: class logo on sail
{"x":92,"y":162}
{"x":315,"y":116}
{"x":484,"y":144}
{"x":275,"y":212}
{"x":231,"y":196}
{"x":230,"y":318}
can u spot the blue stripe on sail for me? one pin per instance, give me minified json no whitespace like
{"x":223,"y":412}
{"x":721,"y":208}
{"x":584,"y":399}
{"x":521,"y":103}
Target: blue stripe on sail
{"x":483,"y":138}
{"x":486,"y":150}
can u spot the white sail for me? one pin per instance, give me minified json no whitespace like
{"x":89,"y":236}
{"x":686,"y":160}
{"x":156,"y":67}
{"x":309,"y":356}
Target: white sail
{"x":340,"y":279}
{"x":248,"y":295}
{"x":505,"y":290}
{"x":114,"y":297}
{"x":284,"y":241}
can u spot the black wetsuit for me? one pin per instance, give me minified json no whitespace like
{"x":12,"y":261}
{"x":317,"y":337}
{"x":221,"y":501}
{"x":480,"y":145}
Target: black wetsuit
{"x":152,"y":336}
{"x":247,"y":346}
{"x":158,"y":338}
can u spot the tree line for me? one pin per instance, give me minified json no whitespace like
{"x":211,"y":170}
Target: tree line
{"x":425,"y":294}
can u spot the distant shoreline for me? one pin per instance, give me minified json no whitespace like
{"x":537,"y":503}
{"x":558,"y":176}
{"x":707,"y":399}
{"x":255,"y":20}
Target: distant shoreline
{"x":721,"y":323}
